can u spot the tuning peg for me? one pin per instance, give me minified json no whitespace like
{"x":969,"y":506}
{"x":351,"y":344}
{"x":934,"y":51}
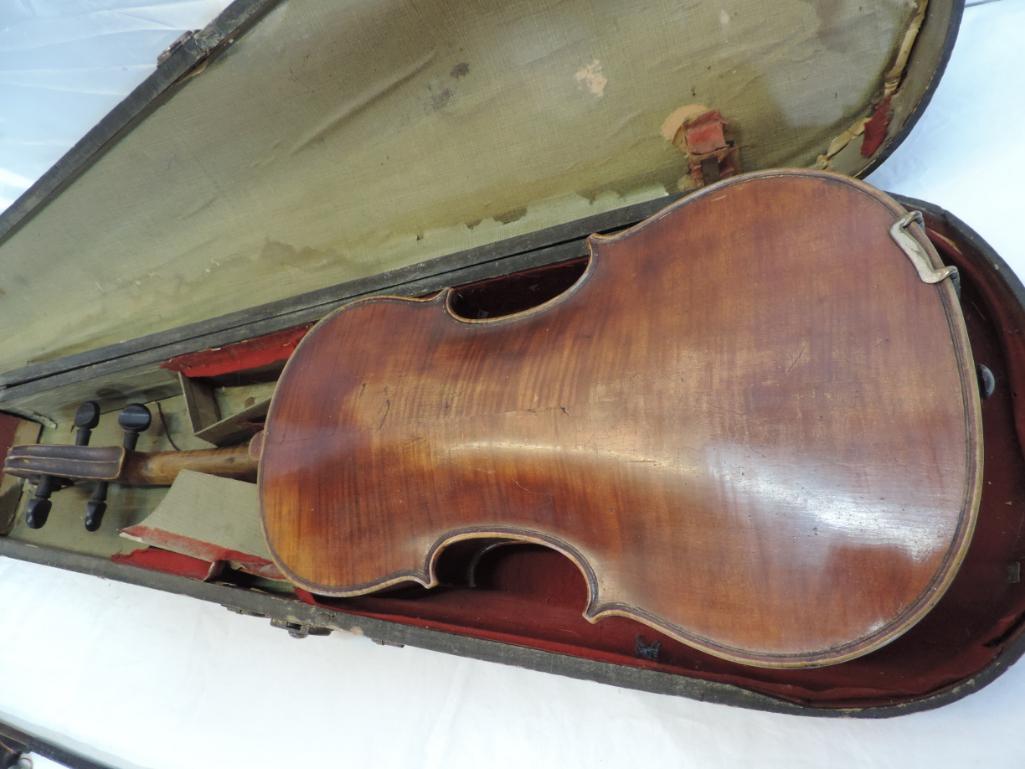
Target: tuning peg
{"x":96,"y":506}
{"x":134,"y":419}
{"x":86,"y":419}
{"x":38,"y":508}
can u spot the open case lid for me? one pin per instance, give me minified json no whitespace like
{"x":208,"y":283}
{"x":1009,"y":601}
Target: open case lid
{"x":292,"y":146}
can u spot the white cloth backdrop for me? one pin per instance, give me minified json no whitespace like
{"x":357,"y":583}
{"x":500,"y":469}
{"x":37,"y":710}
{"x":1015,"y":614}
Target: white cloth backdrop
{"x":141,"y":678}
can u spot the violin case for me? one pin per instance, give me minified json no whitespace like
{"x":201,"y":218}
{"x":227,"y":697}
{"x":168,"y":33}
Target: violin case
{"x":293,"y":156}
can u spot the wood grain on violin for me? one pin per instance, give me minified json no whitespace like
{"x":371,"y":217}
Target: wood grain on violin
{"x":749,"y":424}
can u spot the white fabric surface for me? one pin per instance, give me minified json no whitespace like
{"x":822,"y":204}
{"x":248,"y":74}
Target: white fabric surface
{"x":149,"y":679}
{"x":64,"y":64}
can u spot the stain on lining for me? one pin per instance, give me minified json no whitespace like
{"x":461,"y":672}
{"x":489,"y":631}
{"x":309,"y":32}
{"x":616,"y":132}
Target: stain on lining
{"x":591,"y":78}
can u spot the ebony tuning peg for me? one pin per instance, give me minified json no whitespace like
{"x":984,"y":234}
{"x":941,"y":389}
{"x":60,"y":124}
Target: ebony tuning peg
{"x":86,"y":419}
{"x":38,"y":508}
{"x":133,"y":419}
{"x":96,"y":506}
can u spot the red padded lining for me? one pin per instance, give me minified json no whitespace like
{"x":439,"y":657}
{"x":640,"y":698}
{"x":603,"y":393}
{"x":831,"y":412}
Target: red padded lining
{"x":208,"y":552}
{"x":487,"y":298}
{"x":531,"y":596}
{"x":155,"y":559}
{"x":875,"y":128}
{"x":242,"y":356}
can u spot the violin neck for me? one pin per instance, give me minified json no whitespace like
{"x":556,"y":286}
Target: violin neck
{"x":160,"y":468}
{"x":133,"y":468}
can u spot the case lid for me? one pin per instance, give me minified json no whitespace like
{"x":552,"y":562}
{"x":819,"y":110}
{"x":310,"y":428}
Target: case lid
{"x":292,"y":146}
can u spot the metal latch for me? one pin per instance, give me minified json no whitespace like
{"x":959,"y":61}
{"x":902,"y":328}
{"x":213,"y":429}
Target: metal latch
{"x":916,"y":253}
{"x":177,"y":43}
{"x":13,"y":755}
{"x":300,"y":629}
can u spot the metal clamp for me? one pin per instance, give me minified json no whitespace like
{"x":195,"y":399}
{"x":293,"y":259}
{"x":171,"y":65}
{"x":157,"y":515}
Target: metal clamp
{"x":916,"y":252}
{"x":299,"y":629}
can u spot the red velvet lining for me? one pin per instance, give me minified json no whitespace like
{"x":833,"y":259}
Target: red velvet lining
{"x":204,"y":551}
{"x":243,"y":356}
{"x":530,"y":596}
{"x":155,"y":559}
{"x":875,"y":128}
{"x":488,"y":298}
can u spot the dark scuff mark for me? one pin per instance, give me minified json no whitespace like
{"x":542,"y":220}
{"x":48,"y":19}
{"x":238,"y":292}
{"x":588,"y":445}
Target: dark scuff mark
{"x":340,"y":117}
{"x":645,"y":650}
{"x":441,"y":98}
{"x":462,"y":69}
{"x":198,"y":207}
{"x":511,"y":216}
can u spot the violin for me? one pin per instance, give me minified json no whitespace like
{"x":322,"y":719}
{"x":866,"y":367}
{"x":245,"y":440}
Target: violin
{"x":753,"y":424}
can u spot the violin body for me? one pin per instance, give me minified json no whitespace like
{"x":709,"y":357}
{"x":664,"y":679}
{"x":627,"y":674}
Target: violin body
{"x":750,"y":424}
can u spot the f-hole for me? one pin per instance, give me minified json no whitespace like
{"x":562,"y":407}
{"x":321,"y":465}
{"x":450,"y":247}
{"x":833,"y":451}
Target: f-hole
{"x":509,"y":294}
